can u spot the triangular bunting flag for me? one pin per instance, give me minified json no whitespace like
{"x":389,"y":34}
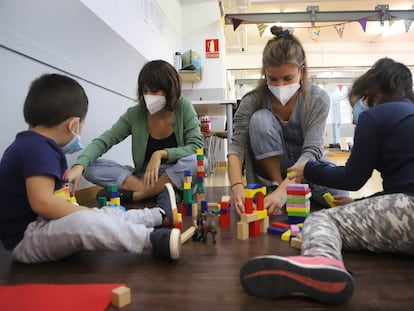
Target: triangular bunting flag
{"x":315,"y":33}
{"x":340,"y":87}
{"x":363,"y":22}
{"x":407,"y":24}
{"x":261,"y":27}
{"x":339,"y":29}
{"x":236,"y":23}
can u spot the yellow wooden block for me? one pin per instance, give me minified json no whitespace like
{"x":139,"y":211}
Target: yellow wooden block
{"x":250,"y":193}
{"x":116,"y":201}
{"x":261,"y":214}
{"x":121,"y":296}
{"x":200,"y":152}
{"x":187,"y":185}
{"x":329,"y":199}
{"x":286,"y":235}
{"x":298,"y":209}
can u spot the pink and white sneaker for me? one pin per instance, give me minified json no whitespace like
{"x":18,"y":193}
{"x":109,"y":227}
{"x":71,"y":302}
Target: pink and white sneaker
{"x":320,"y":278}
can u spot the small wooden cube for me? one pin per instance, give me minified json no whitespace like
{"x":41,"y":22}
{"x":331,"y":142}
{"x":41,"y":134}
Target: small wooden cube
{"x":296,"y":242}
{"x":121,"y":296}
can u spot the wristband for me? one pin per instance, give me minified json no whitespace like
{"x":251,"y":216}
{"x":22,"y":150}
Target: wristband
{"x":235,"y":184}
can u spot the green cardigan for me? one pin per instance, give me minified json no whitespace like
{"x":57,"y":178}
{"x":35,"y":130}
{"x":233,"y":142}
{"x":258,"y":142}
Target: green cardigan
{"x":134,"y":122}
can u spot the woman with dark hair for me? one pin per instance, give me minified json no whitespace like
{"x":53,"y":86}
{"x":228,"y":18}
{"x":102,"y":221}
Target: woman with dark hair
{"x":165,"y":134}
{"x":381,"y":223}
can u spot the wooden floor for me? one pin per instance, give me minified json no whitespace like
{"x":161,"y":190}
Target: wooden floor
{"x":207,"y":275}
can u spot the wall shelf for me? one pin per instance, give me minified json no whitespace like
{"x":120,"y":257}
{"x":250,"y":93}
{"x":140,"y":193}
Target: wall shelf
{"x":190,"y":75}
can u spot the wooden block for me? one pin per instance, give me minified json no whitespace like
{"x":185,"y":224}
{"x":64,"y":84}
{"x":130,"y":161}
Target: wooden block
{"x":248,"y":218}
{"x":329,"y":199}
{"x":254,"y":228}
{"x":296,"y":242}
{"x":187,"y":234}
{"x":286,"y":235}
{"x":242,"y":230}
{"x":261,"y":214}
{"x":121,"y":296}
{"x":280,"y":225}
{"x":264,"y":224}
{"x":278,"y":231}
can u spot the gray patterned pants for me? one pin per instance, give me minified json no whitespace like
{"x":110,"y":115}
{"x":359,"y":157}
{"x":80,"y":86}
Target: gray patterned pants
{"x":379,"y":224}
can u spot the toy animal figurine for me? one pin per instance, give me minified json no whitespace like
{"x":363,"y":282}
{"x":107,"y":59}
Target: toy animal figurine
{"x":209,"y":224}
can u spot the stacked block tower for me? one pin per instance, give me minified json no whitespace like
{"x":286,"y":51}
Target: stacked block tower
{"x":189,"y":207}
{"x":297,"y":202}
{"x":114,"y":201}
{"x":253,"y":221}
{"x":200,"y":176}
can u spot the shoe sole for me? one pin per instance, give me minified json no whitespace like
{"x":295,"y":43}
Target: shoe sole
{"x":273,"y":277}
{"x":175,"y":244}
{"x":173,"y":203}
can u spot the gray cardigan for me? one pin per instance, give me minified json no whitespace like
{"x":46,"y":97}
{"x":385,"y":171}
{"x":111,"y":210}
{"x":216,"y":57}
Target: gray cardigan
{"x":313,"y":118}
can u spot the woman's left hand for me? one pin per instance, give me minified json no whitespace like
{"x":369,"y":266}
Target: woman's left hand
{"x":274,"y":201}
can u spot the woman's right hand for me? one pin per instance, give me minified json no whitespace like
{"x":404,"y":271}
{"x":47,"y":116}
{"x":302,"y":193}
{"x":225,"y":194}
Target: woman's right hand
{"x":74,"y":176}
{"x":238,"y":197}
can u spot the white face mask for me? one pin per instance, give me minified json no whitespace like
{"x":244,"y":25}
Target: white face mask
{"x":155,"y":103}
{"x":284,"y":92}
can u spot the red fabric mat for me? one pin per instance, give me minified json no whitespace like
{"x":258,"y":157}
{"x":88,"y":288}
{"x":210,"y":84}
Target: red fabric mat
{"x":56,"y":297}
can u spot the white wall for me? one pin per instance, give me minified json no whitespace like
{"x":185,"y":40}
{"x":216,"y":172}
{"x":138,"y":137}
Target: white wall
{"x":334,"y":55}
{"x":152,"y":27}
{"x":100,"y":43}
{"x":65,"y":36}
{"x":201,"y":21}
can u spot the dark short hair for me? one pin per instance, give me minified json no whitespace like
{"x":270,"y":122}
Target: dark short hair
{"x":361,"y":85}
{"x":387,"y":81}
{"x":53,"y":98}
{"x":159,"y":75}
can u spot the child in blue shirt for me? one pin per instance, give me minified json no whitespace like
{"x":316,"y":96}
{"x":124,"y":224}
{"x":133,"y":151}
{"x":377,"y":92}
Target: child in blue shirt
{"x":38,"y":221}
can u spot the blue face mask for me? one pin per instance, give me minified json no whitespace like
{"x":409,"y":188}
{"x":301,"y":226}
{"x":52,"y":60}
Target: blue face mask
{"x":74,"y":145}
{"x":359,"y":107}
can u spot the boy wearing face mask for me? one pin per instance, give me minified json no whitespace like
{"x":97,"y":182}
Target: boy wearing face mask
{"x":280,"y":123}
{"x":165,"y":133}
{"x":38,"y":221}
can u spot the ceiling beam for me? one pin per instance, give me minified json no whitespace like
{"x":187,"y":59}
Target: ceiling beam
{"x":312,"y":15}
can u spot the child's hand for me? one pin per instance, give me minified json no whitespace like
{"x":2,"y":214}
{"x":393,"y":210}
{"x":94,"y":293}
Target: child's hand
{"x":295,"y":173}
{"x":342,"y":200}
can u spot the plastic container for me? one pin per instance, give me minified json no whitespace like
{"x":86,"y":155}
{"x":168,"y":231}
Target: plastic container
{"x":177,"y":61}
{"x":205,"y":124}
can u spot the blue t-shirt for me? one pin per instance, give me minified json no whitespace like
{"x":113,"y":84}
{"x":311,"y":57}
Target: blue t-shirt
{"x":384,"y":140}
{"x":30,"y":154}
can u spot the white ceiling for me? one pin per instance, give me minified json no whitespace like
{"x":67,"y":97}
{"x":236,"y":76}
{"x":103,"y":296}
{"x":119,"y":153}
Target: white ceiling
{"x":246,"y":37}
